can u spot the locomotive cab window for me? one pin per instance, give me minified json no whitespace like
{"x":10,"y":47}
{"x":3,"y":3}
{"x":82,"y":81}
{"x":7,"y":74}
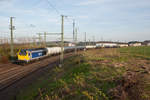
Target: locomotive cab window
{"x":29,"y":54}
{"x":22,"y":52}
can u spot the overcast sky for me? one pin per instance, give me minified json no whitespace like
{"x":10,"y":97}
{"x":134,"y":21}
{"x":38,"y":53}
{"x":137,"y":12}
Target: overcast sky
{"x":122,"y":20}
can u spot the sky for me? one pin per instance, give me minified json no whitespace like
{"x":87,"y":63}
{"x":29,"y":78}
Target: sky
{"x":111,"y":20}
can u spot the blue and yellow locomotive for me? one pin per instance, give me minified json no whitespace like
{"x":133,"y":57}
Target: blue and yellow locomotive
{"x":27,"y":55}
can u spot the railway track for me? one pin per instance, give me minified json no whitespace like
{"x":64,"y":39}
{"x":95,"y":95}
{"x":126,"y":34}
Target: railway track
{"x":11,"y":76}
{"x":3,"y":72}
{"x":7,"y":66}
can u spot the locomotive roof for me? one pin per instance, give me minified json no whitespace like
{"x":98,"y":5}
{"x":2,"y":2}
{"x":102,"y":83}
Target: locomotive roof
{"x":34,"y":49}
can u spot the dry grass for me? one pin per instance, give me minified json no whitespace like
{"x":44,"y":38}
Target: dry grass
{"x":103,"y":74}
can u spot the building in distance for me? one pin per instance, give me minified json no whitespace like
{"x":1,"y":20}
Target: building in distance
{"x":135,"y":43}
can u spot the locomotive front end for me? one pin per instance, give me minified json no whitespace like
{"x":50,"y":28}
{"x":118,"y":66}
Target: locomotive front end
{"x":23,"y":55}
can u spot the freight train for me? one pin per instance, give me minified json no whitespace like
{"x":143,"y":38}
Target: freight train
{"x":28,"y":55}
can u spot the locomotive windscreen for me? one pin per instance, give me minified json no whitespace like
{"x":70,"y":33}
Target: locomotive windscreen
{"x":23,"y":52}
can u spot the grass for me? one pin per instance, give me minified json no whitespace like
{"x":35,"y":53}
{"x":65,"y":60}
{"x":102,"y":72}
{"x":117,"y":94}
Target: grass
{"x":88,"y":77}
{"x":140,"y":52}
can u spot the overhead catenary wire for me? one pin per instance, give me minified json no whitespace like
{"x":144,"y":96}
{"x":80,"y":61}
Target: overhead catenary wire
{"x":58,"y":12}
{"x":52,"y":6}
{"x":68,"y":18}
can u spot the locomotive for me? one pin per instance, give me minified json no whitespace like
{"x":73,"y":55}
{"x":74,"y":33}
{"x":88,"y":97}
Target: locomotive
{"x":27,"y":55}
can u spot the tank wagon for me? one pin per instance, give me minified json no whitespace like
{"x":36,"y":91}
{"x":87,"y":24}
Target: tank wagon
{"x":53,"y":50}
{"x":90,"y":46}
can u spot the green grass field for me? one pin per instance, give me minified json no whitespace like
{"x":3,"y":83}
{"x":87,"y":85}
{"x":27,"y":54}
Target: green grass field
{"x":137,"y":51}
{"x":102,"y":74}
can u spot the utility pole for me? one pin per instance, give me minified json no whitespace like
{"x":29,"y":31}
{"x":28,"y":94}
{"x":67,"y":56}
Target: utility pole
{"x":34,"y":41}
{"x":102,"y":38}
{"x":45,"y":39}
{"x":89,"y":42}
{"x":73,"y":29}
{"x":76,"y":32}
{"x":12,"y":41}
{"x":85,"y":40}
{"x":39,"y":39}
{"x":62,"y":41}
{"x":93,"y":40}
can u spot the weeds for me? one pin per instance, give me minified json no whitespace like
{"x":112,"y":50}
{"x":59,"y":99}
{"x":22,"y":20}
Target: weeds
{"x":79,"y":80}
{"x":88,"y":77}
